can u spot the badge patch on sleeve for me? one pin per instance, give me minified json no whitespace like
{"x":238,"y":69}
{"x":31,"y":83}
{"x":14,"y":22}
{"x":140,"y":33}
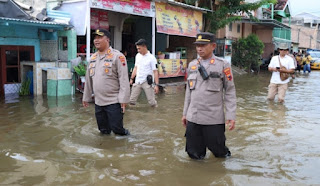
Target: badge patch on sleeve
{"x":123,"y":60}
{"x":191,"y":83}
{"x":92,"y":65}
{"x":227,"y":72}
{"x":91,"y":72}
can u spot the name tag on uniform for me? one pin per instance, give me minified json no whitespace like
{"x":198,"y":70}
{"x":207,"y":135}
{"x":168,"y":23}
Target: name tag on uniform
{"x":214,"y":75}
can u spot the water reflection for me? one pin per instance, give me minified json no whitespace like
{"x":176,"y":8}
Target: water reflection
{"x":55,"y":141}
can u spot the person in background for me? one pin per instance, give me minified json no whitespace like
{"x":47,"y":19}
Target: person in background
{"x":295,"y":63}
{"x":107,"y":78}
{"x":299,"y":61}
{"x":277,"y":86}
{"x":306,"y":61}
{"x":145,"y":66}
{"x":210,"y":101}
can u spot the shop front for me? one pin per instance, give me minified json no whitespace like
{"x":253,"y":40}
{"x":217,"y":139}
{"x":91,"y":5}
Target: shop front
{"x":127,"y":21}
{"x":169,"y":29}
{"x":180,"y":23}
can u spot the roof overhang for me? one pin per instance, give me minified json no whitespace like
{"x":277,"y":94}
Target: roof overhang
{"x":172,"y":2}
{"x":42,"y":24}
{"x":265,"y":22}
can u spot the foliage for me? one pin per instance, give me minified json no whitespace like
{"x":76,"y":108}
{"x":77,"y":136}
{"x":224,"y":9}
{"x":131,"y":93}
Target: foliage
{"x":80,"y":69}
{"x":227,"y":10}
{"x":246,"y":52}
{"x":25,"y":87}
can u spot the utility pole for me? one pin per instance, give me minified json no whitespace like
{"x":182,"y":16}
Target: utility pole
{"x":310,"y":41}
{"x":298,"y":34}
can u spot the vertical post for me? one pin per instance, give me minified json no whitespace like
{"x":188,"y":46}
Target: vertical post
{"x":153,"y":35}
{"x":298,"y":35}
{"x":310,"y":41}
{"x":88,"y":29}
{"x":272,"y":10}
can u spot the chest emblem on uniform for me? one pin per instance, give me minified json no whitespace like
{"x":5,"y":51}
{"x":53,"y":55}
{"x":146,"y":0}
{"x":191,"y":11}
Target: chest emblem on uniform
{"x":123,"y":60}
{"x":107,"y":64}
{"x":106,"y":70}
{"x":193,"y":67}
{"x":110,"y":56}
{"x":91,"y":72}
{"x":109,"y":51}
{"x":211,"y":61}
{"x":93,"y":57}
{"x":227,"y":72}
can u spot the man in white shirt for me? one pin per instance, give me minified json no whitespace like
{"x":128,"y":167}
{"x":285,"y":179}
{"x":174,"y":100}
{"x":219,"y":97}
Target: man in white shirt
{"x":145,"y":65}
{"x":277,"y":86}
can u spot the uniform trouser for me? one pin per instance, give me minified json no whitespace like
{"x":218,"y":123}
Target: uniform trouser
{"x":148,"y":90}
{"x":279,"y":89}
{"x":110,"y":118}
{"x":200,"y":137}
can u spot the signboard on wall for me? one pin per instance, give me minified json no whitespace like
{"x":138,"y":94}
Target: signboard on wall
{"x":135,"y":7}
{"x":172,"y":67}
{"x":99,"y":19}
{"x":175,"y":20}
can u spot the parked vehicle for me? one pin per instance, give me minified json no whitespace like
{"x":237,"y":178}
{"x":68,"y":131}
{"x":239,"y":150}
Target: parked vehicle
{"x":315,"y":66}
{"x":315,"y":56}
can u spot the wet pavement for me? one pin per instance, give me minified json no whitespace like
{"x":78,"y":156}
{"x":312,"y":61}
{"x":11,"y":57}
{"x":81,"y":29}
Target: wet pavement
{"x":56,"y":141}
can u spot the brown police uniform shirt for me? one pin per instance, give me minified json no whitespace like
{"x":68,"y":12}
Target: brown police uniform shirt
{"x":210,"y":101}
{"x":107,"y":78}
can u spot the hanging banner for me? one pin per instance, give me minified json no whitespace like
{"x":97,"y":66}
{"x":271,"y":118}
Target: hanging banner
{"x":172,"y":67}
{"x":175,"y":20}
{"x":99,"y":19}
{"x":135,"y":7}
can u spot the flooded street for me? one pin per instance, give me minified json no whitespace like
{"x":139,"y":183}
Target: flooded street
{"x":56,"y":141}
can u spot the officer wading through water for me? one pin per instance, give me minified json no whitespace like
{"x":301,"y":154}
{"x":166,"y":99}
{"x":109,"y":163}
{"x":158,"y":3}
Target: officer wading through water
{"x":107,"y":78}
{"x":210,"y":101}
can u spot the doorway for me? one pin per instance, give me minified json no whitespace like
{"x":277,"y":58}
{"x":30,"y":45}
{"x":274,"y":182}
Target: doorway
{"x":10,"y":58}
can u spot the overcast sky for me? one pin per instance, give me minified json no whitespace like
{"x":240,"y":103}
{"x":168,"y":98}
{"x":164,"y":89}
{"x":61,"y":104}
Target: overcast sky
{"x":310,"y":6}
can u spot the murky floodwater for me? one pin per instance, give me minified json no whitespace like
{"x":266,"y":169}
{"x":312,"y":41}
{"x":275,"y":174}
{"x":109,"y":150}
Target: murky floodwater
{"x":56,"y":141}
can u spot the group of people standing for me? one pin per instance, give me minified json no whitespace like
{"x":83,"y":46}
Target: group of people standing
{"x":303,"y":62}
{"x":210,"y":100}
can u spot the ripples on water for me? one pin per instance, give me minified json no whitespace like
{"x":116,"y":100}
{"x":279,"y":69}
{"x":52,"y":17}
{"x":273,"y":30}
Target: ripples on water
{"x":56,"y":141}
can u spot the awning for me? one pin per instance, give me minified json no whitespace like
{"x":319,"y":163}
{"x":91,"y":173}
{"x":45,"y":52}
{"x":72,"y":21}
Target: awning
{"x":266,"y":22}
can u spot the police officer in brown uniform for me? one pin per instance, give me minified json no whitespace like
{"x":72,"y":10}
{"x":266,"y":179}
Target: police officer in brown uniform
{"x":107,"y":78}
{"x":210,"y":101}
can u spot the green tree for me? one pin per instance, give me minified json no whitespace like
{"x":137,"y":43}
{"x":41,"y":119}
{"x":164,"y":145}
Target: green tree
{"x":246,"y":52}
{"x":226,"y":11}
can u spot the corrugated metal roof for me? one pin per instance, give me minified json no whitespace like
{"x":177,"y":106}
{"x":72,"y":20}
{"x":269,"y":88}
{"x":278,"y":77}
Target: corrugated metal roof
{"x":33,"y":22}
